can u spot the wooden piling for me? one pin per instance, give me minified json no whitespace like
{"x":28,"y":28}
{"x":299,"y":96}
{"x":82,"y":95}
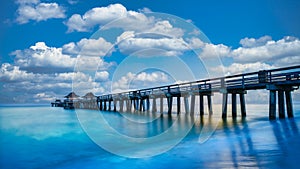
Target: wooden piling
{"x":161,"y":105}
{"x":186,"y":104}
{"x":121,"y":103}
{"x":243,"y":104}
{"x":170,"y":104}
{"x":201,"y":104}
{"x":233,"y":103}
{"x":272,"y":105}
{"x":192,"y":104}
{"x":289,"y":103}
{"x":209,"y":104}
{"x":109,"y":105}
{"x":281,"y":104}
{"x":115,"y":105}
{"x":101,"y":106}
{"x":154,"y":107}
{"x":147,"y":104}
{"x":224,"y":105}
{"x":178,"y":104}
{"x":105,"y":108}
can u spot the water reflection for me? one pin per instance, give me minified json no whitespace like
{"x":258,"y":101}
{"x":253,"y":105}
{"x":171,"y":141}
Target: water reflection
{"x":258,"y":145}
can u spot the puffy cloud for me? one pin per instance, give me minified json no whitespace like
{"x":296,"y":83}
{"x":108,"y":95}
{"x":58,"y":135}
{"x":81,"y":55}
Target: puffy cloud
{"x":34,"y":10}
{"x":89,"y":47}
{"x":42,"y":58}
{"x":40,"y":72}
{"x":141,"y":80}
{"x":10,"y":73}
{"x":158,"y":46}
{"x":101,"y":76}
{"x":22,"y":86}
{"x":238,"y":68}
{"x":165,"y":28}
{"x":40,"y":55}
{"x":95,"y":16}
{"x":252,"y":42}
{"x":209,"y":50}
{"x":117,"y":16}
{"x":266,"y":50}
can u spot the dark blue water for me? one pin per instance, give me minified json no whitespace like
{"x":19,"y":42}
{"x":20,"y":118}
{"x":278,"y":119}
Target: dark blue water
{"x":45,"y":137}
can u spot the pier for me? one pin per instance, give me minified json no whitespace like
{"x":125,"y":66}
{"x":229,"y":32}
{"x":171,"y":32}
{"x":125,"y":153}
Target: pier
{"x":279,"y":82}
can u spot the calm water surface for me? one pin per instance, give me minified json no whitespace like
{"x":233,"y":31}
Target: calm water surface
{"x":45,"y":137}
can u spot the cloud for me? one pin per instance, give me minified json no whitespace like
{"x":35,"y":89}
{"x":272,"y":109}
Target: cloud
{"x":89,"y":47}
{"x":117,"y":16}
{"x":86,"y":53}
{"x":95,"y":16}
{"x":101,"y":76}
{"x":209,"y":50}
{"x":40,"y":72}
{"x":238,"y":68}
{"x":141,"y":80}
{"x":26,"y":87}
{"x":37,"y":11}
{"x":267,"y":50}
{"x":40,"y":55}
{"x":129,"y":44}
{"x":10,"y":73}
{"x":252,"y":42}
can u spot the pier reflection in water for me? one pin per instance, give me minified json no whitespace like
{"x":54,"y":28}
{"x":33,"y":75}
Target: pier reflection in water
{"x":252,"y":142}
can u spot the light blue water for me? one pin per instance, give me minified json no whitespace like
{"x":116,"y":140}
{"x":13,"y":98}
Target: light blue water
{"x":45,"y":137}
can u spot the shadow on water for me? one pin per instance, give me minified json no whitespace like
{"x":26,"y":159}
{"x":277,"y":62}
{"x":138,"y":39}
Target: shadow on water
{"x":287,"y":138}
{"x":241,"y":148}
{"x":260,"y":145}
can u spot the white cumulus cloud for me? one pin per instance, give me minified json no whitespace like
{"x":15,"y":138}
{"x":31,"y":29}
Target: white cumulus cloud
{"x":89,"y":47}
{"x":95,"y":16}
{"x":40,"y":55}
{"x":267,"y":50}
{"x":140,"y":80}
{"x":38,"y":11}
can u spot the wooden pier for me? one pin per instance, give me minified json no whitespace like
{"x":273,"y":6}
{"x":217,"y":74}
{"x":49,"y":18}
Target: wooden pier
{"x":279,"y":82}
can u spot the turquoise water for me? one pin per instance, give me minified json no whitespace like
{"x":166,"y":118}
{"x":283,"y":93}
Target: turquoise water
{"x":45,"y":137}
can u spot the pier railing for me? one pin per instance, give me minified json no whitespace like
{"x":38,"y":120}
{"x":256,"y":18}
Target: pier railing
{"x":281,"y":81}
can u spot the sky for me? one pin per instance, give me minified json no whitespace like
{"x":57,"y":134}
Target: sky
{"x":51,"y":47}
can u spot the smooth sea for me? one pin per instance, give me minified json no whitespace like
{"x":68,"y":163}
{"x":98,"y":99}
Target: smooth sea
{"x":41,"y":137}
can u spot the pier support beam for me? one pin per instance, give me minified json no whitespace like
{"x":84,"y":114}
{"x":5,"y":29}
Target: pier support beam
{"x":170,"y":104}
{"x":148,"y":104}
{"x":115,"y":105}
{"x":161,"y":105}
{"x":201,"y":105}
{"x":154,"y":107}
{"x":178,"y":104}
{"x":289,"y":104}
{"x":128,"y":105}
{"x":243,"y":104}
{"x":233,"y":103}
{"x":136,"y":104}
{"x":186,"y":104}
{"x":272,"y":105}
{"x":109,"y":105}
{"x":101,"y":105}
{"x":142,"y":105}
{"x":281,"y":104}
{"x":209,"y":104}
{"x":192,"y":104}
{"x":121,"y":103}
{"x":224,"y":105}
{"x":105,"y":105}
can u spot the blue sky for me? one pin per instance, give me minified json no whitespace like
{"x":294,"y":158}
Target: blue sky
{"x":41,"y":39}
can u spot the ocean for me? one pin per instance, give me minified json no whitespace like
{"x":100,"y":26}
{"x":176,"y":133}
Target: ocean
{"x":35,"y":137}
